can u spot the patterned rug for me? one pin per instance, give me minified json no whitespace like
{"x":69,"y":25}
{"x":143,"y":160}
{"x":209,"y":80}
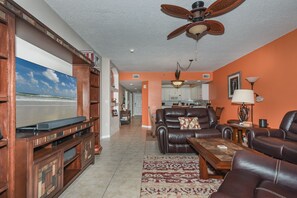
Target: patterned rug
{"x":175,"y":176}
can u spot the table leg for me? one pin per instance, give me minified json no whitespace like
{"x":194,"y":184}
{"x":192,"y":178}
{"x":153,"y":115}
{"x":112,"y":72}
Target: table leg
{"x":240,"y":134}
{"x":235,"y":135}
{"x":203,"y":168}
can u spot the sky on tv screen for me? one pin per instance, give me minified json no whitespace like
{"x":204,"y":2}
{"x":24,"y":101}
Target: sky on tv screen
{"x":36,"y":80}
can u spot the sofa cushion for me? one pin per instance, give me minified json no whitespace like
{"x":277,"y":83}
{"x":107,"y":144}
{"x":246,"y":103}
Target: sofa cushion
{"x":177,"y":136}
{"x":238,"y":183}
{"x":208,"y":133}
{"x":269,"y":145}
{"x":201,"y":114}
{"x":171,"y":117}
{"x":290,"y":151}
{"x":270,"y":189}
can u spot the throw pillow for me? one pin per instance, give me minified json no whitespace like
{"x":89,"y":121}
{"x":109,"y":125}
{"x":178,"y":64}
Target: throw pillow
{"x":194,"y":123}
{"x":184,"y":122}
{"x":189,"y":123}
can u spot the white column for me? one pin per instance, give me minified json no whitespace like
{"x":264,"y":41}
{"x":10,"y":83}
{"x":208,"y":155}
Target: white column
{"x":105,"y":109}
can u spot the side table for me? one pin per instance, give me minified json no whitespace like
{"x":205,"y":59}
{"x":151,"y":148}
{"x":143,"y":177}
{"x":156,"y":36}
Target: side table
{"x":239,"y":131}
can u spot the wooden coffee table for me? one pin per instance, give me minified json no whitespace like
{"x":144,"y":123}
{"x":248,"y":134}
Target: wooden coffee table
{"x":219,"y":159}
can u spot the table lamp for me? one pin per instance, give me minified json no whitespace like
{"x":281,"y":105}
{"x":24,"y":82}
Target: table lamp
{"x":243,"y":97}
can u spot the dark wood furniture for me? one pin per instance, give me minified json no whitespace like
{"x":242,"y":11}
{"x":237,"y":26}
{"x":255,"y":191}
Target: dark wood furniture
{"x":219,"y":111}
{"x":219,"y":159}
{"x":11,"y":15}
{"x":240,"y":133}
{"x":88,"y":92}
{"x":44,"y":167}
{"x":7,"y":103}
{"x":125,"y":117}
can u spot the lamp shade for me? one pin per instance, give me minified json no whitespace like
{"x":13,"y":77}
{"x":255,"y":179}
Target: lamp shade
{"x":245,"y":96}
{"x":252,"y":79}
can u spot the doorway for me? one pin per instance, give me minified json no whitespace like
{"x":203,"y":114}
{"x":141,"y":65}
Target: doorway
{"x":137,"y":104}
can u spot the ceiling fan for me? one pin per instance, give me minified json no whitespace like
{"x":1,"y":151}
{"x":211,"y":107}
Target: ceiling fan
{"x":199,"y":26}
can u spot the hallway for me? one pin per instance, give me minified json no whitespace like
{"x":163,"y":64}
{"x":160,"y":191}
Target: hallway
{"x":117,"y":171}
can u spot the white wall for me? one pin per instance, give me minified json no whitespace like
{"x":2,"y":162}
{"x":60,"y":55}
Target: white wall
{"x":115,"y":120}
{"x":36,"y":55}
{"x":43,"y":12}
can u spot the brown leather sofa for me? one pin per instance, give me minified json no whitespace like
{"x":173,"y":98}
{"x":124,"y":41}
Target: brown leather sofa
{"x":258,"y":176}
{"x":172,"y":139}
{"x":279,"y":143}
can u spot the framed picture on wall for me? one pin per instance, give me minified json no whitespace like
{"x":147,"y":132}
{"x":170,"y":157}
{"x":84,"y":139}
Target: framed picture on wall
{"x":234,"y":82}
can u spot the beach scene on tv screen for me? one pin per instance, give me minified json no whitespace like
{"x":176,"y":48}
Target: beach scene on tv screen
{"x":43,"y":94}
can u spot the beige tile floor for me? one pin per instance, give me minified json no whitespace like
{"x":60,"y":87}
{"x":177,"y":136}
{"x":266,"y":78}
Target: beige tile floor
{"x":117,"y":171}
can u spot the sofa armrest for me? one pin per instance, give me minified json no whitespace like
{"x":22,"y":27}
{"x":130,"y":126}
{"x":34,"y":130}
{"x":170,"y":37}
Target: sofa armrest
{"x":255,"y":132}
{"x":266,"y":167}
{"x":159,"y":116}
{"x":162,"y":135}
{"x":225,"y":130}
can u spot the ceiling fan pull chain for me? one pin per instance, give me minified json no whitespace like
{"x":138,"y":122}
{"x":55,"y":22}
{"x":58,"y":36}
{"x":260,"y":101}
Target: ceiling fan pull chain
{"x":196,"y":50}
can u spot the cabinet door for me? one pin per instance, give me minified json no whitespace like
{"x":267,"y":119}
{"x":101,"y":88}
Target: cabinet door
{"x":166,"y":94}
{"x":88,"y":150}
{"x":205,"y":92}
{"x":47,"y":176}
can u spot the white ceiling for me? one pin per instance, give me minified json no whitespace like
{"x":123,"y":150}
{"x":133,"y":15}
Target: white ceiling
{"x":112,"y":27}
{"x":132,"y":85}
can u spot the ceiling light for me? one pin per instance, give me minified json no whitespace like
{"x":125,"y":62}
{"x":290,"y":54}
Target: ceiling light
{"x":131,"y":50}
{"x":177,"y":83}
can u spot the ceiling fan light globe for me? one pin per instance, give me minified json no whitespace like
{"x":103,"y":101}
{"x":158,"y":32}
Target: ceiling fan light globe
{"x":197,"y":29}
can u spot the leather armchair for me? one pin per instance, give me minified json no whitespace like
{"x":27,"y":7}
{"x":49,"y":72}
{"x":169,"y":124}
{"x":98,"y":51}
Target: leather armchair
{"x":279,"y":143}
{"x":257,"y":176}
{"x":171,"y":139}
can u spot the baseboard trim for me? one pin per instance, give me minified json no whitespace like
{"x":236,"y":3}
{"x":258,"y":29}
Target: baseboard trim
{"x":106,"y":136}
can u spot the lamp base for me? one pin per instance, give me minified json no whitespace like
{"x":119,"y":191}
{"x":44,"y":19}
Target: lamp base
{"x":243,"y":113}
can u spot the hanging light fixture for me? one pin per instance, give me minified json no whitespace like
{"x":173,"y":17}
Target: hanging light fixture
{"x":177,"y":83}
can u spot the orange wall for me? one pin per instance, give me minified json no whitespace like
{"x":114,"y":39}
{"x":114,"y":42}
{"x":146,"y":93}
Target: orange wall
{"x":145,"y":100}
{"x":154,"y":87}
{"x":276,"y":65}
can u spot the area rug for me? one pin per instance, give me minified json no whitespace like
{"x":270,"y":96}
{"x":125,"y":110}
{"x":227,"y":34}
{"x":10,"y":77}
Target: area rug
{"x":174,"y":176}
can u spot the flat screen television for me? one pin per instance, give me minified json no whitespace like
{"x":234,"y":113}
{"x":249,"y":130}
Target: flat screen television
{"x":43,"y":94}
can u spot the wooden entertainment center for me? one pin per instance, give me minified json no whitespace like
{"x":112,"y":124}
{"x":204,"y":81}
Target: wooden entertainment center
{"x":44,"y":164}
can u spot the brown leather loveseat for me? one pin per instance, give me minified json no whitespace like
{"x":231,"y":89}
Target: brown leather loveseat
{"x":172,"y":139}
{"x":279,"y":143}
{"x":258,"y":176}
